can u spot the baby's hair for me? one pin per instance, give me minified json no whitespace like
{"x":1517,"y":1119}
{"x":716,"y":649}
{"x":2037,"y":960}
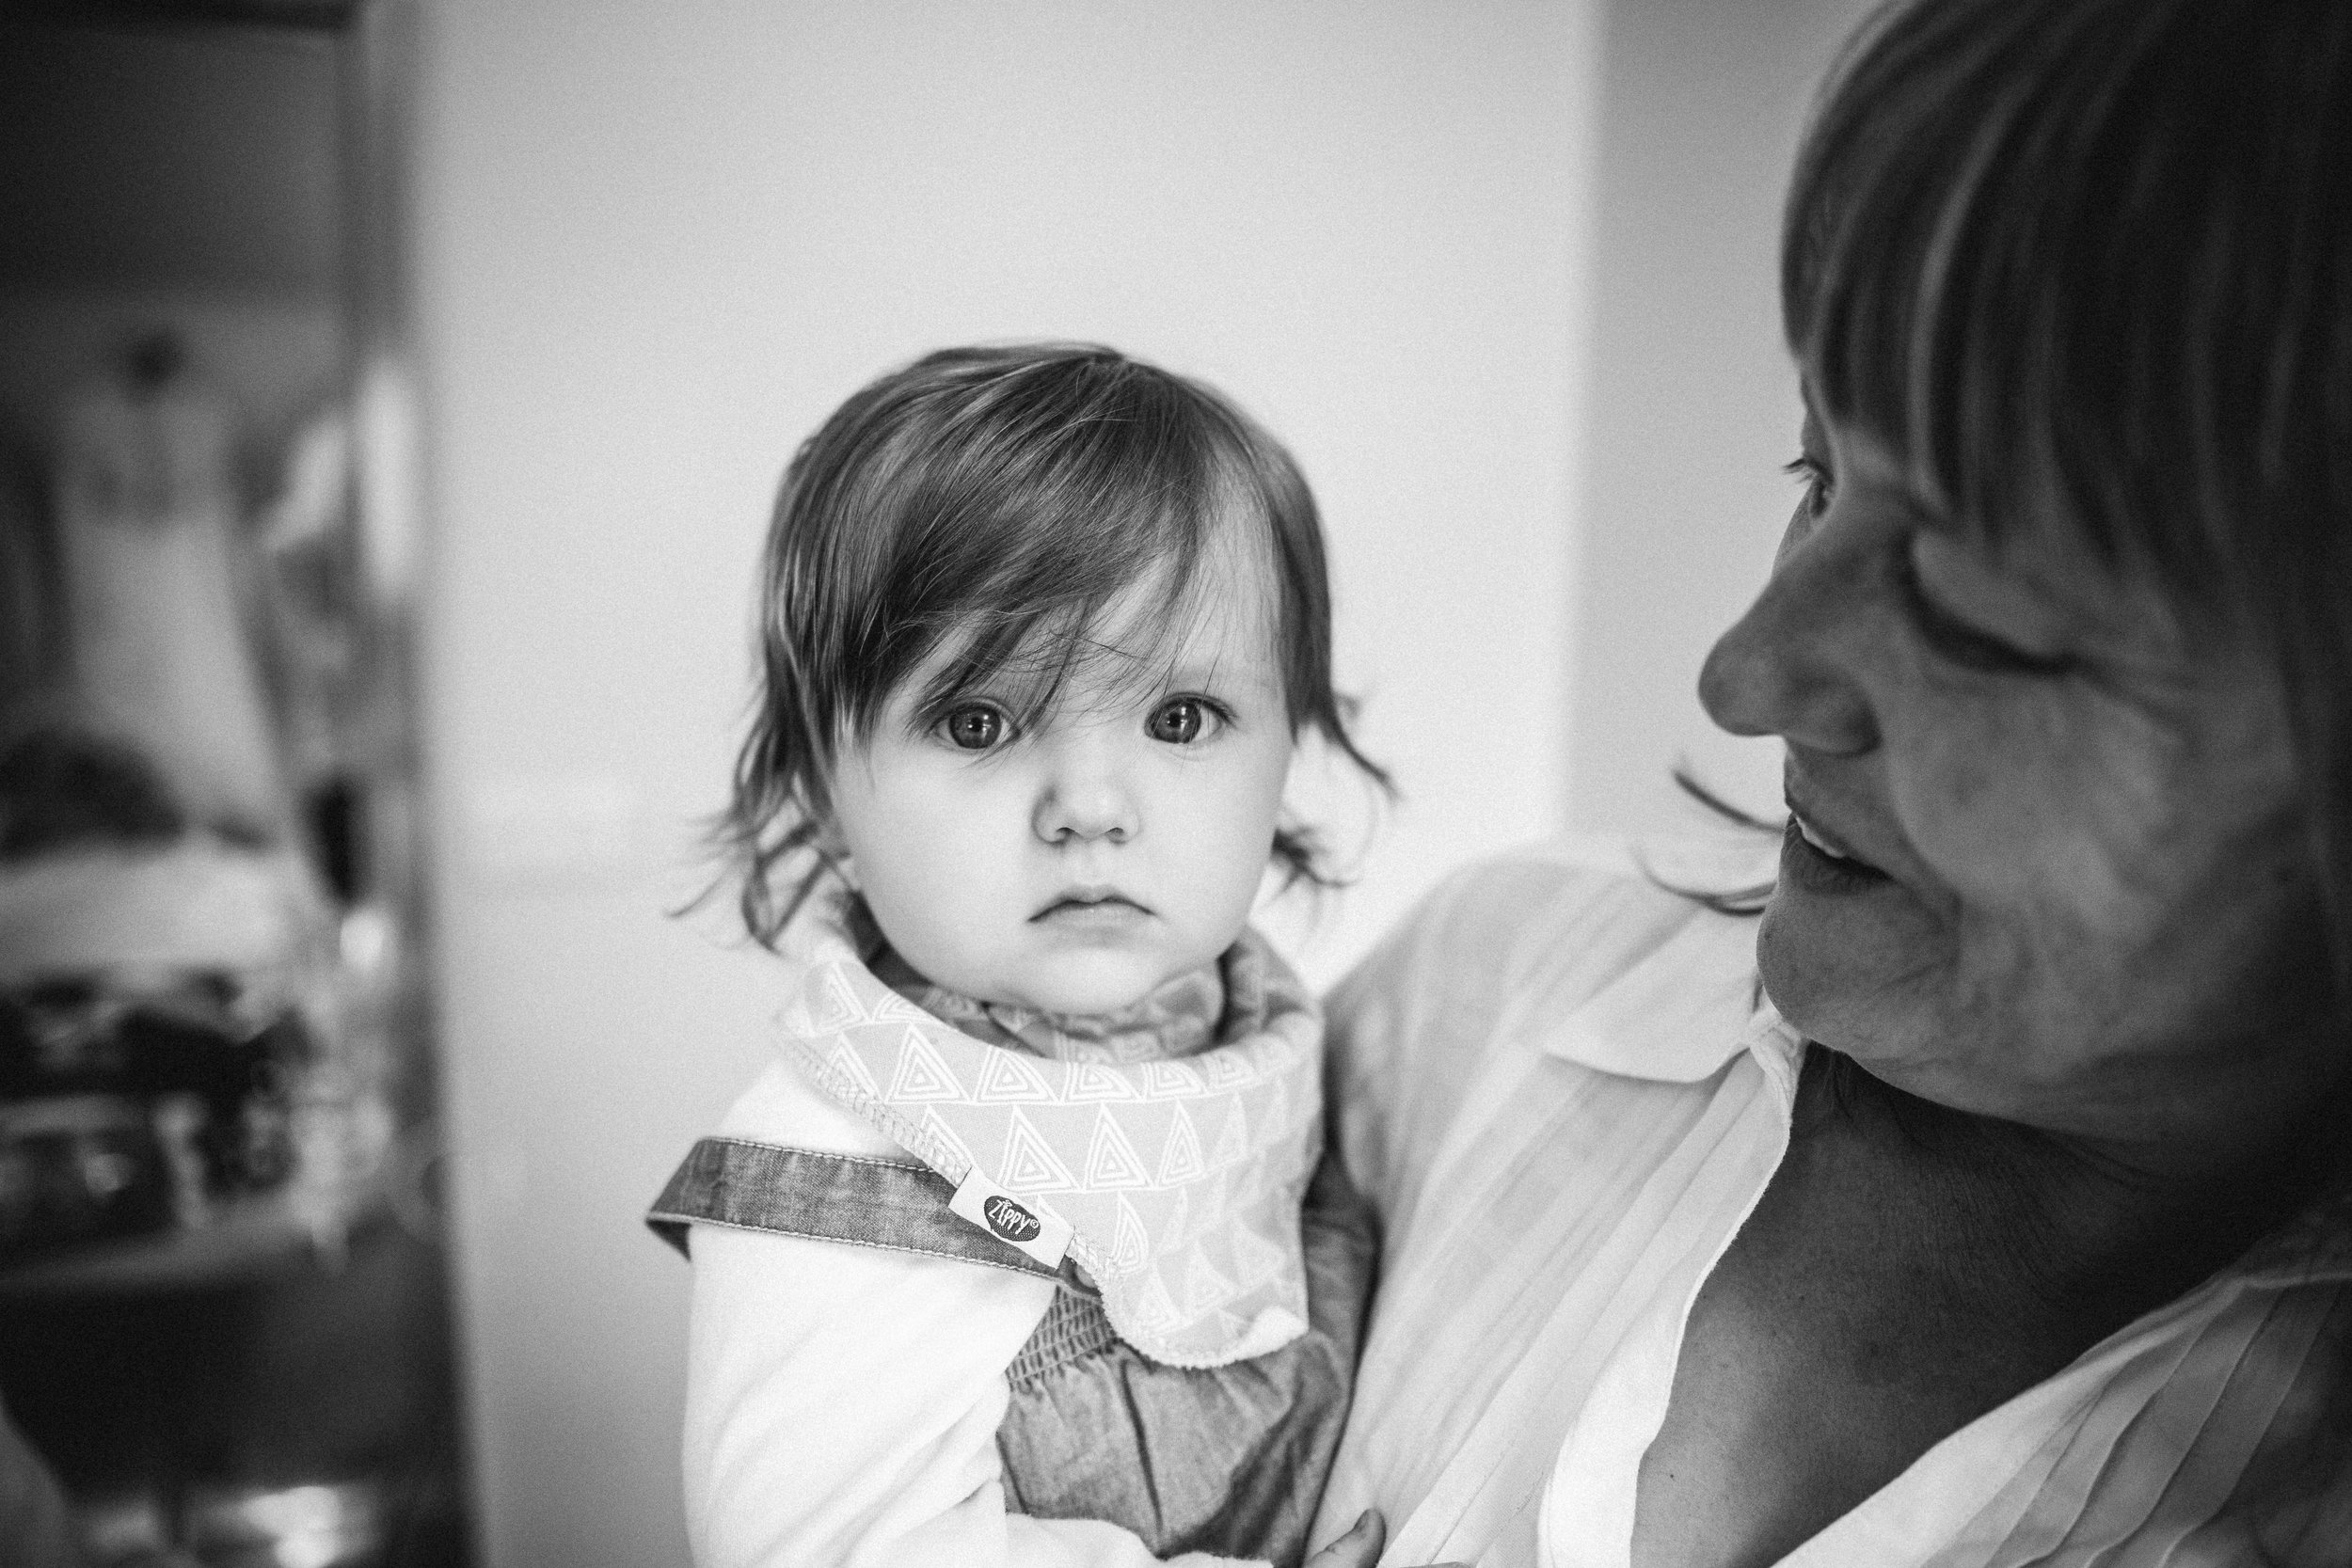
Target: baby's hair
{"x":995,"y":501}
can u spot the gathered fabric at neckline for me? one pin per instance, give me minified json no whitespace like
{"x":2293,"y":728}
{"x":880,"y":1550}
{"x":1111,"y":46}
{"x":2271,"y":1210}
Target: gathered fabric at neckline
{"x":1182,"y":1017}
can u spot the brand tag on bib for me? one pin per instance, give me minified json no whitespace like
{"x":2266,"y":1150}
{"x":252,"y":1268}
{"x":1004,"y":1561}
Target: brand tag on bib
{"x":1011,"y":1220}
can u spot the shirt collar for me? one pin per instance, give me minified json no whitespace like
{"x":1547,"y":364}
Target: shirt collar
{"x":1681,"y":1011}
{"x":1694,"y":1003}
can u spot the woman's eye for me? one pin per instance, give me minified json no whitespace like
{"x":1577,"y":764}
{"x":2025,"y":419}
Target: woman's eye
{"x":1970,"y":646}
{"x":1180,"y":721}
{"x":1818,"y":484}
{"x":973,"y":729}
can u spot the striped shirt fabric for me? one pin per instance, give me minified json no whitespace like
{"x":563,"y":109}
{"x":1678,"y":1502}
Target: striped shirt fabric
{"x":1564,"y":1088}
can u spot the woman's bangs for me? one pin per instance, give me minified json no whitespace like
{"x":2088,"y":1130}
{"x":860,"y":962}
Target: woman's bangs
{"x":1964,"y":277}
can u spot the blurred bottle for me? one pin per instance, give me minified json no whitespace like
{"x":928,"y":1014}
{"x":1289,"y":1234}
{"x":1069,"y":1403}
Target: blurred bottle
{"x":146,"y":508}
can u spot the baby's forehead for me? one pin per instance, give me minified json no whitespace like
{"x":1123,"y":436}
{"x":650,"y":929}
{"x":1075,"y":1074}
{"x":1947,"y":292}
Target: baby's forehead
{"x":1228,"y":612}
{"x":1212,"y":640}
{"x":1214,"y":633}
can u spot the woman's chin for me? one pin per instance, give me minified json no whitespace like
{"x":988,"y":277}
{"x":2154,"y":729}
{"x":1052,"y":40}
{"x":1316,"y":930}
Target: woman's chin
{"x":1844,"y":967}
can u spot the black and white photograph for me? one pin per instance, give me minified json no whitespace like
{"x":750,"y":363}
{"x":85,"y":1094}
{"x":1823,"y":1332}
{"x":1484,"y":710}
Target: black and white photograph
{"x":1227,"y":784}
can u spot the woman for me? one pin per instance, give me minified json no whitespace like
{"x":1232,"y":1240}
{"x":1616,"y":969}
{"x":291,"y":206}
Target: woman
{"x":2011,"y":1221}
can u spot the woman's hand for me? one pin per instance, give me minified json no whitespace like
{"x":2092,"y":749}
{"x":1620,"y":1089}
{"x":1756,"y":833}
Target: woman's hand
{"x":1360,"y":1546}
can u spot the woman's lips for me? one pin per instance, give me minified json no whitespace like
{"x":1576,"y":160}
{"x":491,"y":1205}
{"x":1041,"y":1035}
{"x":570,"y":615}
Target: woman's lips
{"x":1809,"y":861}
{"x":1816,"y":837}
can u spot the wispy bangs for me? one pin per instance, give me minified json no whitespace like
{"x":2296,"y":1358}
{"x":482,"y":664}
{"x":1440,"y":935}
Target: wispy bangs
{"x":1018,"y":542}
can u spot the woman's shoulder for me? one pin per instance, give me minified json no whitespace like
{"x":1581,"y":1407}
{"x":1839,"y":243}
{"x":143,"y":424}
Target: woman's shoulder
{"x":1565,"y":917}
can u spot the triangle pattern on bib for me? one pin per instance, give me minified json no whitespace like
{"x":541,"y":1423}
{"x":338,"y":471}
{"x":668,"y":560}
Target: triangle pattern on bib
{"x":851,"y":1068}
{"x":1029,"y":1161}
{"x":1206,"y":1289}
{"x":1180,"y":1157}
{"x":1254,"y":1257}
{"x":1232,"y":1139}
{"x":1130,"y":1244}
{"x":834,"y":1005}
{"x":922,"y":1075}
{"x":1086,"y":1081}
{"x":1111,"y":1160}
{"x":1171,"y":1080}
{"x":935,"y":1127}
{"x":1007,"y":1077}
{"x":1226,"y":1072}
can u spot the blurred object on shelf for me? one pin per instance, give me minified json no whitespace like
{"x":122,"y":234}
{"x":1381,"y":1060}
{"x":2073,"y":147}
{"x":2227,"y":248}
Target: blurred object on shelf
{"x":129,"y":1529}
{"x":147,"y":511}
{"x":35,"y":1529}
{"x":32,"y":599}
{"x":184,"y":1024}
{"x":106,"y":894}
{"x":313,"y":615}
{"x":319,"y":1526}
{"x":78,"y":1169}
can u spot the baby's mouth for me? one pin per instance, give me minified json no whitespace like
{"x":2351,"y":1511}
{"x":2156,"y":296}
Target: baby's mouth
{"x":1090,"y":904}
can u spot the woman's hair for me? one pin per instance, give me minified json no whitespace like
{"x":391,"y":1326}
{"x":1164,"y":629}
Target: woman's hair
{"x":993,"y":503}
{"x":2088,"y":263}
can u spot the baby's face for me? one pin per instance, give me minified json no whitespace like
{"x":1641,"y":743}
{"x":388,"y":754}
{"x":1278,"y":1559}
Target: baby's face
{"x":1073,"y":867}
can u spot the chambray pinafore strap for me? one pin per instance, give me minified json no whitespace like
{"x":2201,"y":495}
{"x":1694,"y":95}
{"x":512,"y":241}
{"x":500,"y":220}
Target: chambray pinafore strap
{"x":860,"y":1201}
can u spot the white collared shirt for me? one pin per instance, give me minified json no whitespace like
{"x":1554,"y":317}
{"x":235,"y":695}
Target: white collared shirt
{"x":1564,"y":1090}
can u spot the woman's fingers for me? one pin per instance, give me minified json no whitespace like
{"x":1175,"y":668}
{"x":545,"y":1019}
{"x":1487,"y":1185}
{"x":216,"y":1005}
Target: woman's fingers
{"x":1359,"y":1548}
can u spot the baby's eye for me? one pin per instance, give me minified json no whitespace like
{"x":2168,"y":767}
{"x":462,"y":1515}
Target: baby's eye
{"x":974,"y":728}
{"x":1180,"y":721}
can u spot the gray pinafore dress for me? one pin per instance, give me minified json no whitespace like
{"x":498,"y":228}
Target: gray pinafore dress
{"x":1229,"y":1460}
{"x":1226,"y":1460}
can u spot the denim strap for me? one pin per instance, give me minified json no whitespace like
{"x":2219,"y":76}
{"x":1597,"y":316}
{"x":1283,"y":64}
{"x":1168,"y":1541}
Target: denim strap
{"x":898,"y":1206}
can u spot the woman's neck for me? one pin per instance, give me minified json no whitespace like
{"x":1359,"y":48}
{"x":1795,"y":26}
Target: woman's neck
{"x":2084,"y":1225}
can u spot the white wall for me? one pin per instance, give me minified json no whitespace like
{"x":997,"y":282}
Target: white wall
{"x":657,"y":243}
{"x":1692,"y":407}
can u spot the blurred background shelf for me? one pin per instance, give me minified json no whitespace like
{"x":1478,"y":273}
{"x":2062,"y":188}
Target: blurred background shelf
{"x":246,"y":1240}
{"x":207,"y":548}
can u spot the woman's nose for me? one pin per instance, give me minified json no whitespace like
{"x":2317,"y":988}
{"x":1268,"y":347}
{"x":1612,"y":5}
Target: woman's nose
{"x":1794,"y":665}
{"x":1086,"y":798}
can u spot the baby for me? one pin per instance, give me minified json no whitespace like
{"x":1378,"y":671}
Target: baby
{"x":1024,"y":1250}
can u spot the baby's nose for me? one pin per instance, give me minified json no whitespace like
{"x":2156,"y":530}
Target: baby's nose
{"x":1084,"y":804}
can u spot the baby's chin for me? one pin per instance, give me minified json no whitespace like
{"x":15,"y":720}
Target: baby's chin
{"x":1084,"y":985}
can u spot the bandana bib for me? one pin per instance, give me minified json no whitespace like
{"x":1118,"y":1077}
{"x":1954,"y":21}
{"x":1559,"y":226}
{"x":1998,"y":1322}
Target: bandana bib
{"x":1175,"y":1182}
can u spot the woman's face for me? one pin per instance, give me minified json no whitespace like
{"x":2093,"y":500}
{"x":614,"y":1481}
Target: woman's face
{"x":2044,"y":861}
